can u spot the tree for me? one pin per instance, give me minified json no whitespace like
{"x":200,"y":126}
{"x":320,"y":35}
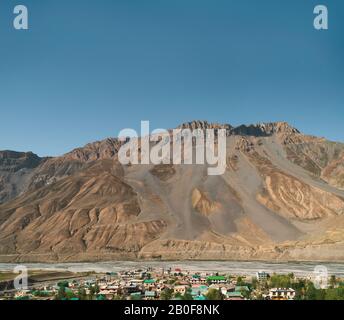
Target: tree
{"x":166,"y":294}
{"x":214,"y":294}
{"x":255,"y":283}
{"x":82,"y":294}
{"x":92,"y":290}
{"x":300,"y":287}
{"x":335,"y":294}
{"x":187,"y":295}
{"x":240,"y":281}
{"x":245,"y":293}
{"x":70,"y":295}
{"x":64,"y":284}
{"x":333,"y":281}
{"x":314,"y":294}
{"x":61,"y":293}
{"x":178,"y":296}
{"x":280,"y":281}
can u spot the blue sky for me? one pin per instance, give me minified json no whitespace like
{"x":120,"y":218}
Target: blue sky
{"x":88,"y":68}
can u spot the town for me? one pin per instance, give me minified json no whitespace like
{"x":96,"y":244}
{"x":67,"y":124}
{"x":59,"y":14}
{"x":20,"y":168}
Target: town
{"x":176,"y":284}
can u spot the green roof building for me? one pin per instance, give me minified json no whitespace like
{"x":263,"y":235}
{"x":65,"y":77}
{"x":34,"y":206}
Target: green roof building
{"x":149,"y":281}
{"x":217,"y":279}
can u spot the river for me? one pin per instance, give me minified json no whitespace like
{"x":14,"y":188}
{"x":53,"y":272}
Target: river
{"x":229,"y":267}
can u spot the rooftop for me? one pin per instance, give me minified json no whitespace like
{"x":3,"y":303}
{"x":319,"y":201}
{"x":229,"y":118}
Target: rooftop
{"x":149,"y":281}
{"x":216,"y":278}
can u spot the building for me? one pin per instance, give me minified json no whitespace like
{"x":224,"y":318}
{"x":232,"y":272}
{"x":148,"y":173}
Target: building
{"x":196,"y":279}
{"x":234,"y":296}
{"x":281,"y":294}
{"x":108,"y":294}
{"x":217,"y":280}
{"x":180,"y":289}
{"x":149,"y":283}
{"x":150,"y":295}
{"x":262,"y":276}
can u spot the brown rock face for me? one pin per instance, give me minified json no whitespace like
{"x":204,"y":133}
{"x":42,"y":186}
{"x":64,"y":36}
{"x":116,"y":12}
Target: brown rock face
{"x":202,"y":204}
{"x":281,"y":198}
{"x":203,"y":125}
{"x":294,"y":199}
{"x":322,"y":158}
{"x":15,"y":171}
{"x":164,"y":171}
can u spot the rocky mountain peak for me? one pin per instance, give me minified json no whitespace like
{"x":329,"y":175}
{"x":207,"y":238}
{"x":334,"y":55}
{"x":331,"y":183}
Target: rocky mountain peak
{"x":14,"y":161}
{"x":201,"y":124}
{"x":264,"y":129}
{"x":104,"y":149}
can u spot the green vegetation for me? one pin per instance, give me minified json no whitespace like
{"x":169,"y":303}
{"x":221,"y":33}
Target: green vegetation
{"x":281,"y":281}
{"x":94,"y":290}
{"x":214,"y":294}
{"x":82,"y":295}
{"x":166,"y":294}
{"x":39,"y":293}
{"x":187,"y":295}
{"x":308,"y":292}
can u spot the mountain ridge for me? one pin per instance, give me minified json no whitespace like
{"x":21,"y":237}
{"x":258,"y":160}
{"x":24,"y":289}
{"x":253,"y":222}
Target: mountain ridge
{"x":281,"y":198}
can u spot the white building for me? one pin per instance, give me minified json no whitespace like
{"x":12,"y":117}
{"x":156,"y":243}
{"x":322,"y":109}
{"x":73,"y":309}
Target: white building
{"x":282,"y":294}
{"x":262,"y":276}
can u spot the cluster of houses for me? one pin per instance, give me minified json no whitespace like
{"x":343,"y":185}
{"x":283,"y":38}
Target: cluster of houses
{"x":151,"y":284}
{"x":136,"y":285}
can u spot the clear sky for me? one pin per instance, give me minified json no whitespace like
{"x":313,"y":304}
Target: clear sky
{"x":88,"y":68}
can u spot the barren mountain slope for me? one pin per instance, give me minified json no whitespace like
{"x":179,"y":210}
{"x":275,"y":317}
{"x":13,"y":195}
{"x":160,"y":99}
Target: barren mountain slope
{"x":279,"y":199}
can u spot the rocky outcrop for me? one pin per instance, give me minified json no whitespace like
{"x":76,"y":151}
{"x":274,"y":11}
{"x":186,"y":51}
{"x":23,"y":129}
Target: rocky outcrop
{"x":264,"y":129}
{"x":12,"y":161}
{"x":202,"y":204}
{"x":163,"y":172}
{"x":321,"y":158}
{"x":296,"y":200}
{"x":16,"y":169}
{"x":204,"y":125}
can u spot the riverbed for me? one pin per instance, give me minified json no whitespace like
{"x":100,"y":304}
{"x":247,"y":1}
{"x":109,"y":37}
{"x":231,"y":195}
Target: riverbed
{"x":303,"y":269}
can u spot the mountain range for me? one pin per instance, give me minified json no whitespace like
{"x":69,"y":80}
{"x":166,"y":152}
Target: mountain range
{"x":280,"y":199}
